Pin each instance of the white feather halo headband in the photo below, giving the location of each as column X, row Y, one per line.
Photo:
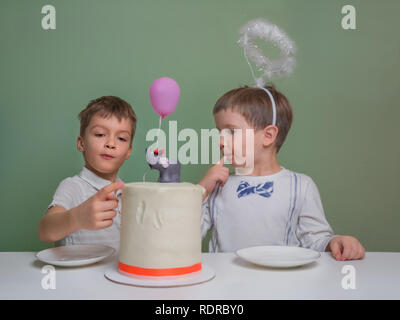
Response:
column 265, row 30
column 284, row 65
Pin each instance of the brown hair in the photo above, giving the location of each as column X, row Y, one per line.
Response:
column 106, row 107
column 255, row 106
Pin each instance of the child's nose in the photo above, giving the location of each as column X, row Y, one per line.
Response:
column 110, row 144
column 221, row 142
column 225, row 140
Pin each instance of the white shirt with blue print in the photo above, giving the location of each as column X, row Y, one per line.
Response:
column 282, row 209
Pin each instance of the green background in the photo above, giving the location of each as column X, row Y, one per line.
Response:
column 344, row 94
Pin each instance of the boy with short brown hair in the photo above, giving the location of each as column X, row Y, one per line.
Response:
column 266, row 204
column 86, row 207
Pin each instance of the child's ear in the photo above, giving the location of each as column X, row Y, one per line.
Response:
column 270, row 134
column 80, row 144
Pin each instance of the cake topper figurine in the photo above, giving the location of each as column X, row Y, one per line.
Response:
column 164, row 96
column 169, row 172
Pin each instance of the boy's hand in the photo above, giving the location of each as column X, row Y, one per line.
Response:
column 346, row 248
column 98, row 211
column 216, row 174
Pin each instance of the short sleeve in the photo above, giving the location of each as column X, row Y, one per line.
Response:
column 65, row 194
column 313, row 230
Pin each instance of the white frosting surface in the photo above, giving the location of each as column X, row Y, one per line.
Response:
column 161, row 225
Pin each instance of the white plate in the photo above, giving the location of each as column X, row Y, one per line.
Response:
column 278, row 256
column 75, row 255
column 204, row 275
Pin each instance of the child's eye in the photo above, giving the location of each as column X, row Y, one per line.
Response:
column 227, row 131
column 99, row 134
column 122, row 139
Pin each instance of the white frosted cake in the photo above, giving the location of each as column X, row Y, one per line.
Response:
column 160, row 229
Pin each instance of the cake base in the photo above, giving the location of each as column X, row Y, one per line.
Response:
column 205, row 274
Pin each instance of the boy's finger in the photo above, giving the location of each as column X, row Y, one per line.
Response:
column 225, row 170
column 105, row 224
column 110, row 188
column 335, row 248
column 107, row 215
column 111, row 196
column 221, row 161
column 109, row 205
column 362, row 252
column 357, row 253
column 221, row 182
column 347, row 252
column 222, row 179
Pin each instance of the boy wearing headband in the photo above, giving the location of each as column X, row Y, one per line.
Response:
column 263, row 203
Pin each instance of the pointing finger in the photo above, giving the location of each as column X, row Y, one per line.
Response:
column 110, row 188
column 221, row 161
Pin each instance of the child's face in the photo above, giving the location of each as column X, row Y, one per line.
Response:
column 106, row 144
column 237, row 146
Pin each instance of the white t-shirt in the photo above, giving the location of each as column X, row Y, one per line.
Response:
column 71, row 192
column 282, row 209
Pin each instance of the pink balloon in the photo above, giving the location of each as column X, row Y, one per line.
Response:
column 164, row 96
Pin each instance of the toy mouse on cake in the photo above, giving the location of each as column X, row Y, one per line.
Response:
column 169, row 172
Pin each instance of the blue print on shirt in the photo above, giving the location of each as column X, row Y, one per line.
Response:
column 262, row 189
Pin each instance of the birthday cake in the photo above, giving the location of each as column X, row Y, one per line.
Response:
column 161, row 221
column 160, row 229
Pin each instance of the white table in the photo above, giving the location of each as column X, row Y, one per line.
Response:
column 377, row 277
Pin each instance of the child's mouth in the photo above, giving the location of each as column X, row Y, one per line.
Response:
column 106, row 156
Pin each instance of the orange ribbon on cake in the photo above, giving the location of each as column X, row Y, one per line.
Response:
column 158, row 272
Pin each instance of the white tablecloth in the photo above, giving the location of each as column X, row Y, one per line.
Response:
column 377, row 277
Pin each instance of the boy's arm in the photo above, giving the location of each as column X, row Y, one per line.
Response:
column 57, row 224
column 95, row 213
column 313, row 230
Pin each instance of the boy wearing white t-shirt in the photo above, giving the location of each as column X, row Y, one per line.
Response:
column 263, row 203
